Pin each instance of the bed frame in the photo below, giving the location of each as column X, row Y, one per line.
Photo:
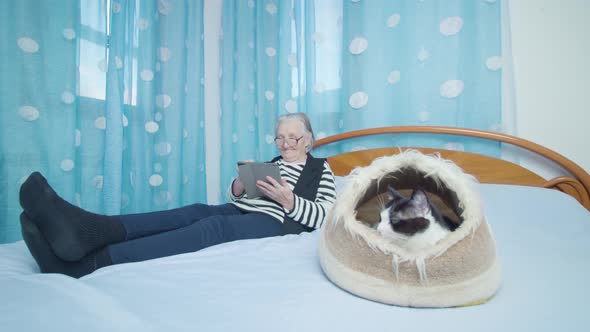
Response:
column 486, row 169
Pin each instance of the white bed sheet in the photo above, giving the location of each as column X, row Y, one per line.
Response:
column 276, row 284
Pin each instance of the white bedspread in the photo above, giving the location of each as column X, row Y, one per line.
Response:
column 276, row 284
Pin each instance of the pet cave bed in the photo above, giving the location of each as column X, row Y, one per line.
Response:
column 461, row 269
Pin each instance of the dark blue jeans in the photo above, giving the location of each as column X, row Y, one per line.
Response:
column 188, row 229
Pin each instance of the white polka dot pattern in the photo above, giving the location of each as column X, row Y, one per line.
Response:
column 269, row 95
column 142, row 24
column 67, row 97
column 358, row 45
column 451, row 25
column 162, row 198
column 156, row 180
column 102, row 65
column 67, row 165
column 451, row 88
column 455, row 146
column 28, row 45
column 116, row 7
column 97, row 182
column 164, row 54
column 118, row 62
column 423, row 116
column 271, row 8
column 68, row 34
column 147, row 75
column 164, row 7
column 28, row 113
column 77, row 137
column 291, row 106
column 393, row 20
column 423, row 55
column 163, row 101
column 100, row 123
column 151, row 127
column 358, row 99
column 494, row 63
column 394, row 77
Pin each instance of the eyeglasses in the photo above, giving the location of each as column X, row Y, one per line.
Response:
column 290, row 141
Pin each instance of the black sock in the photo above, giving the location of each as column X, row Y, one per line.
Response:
column 49, row 263
column 71, row 232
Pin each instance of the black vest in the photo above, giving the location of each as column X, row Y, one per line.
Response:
column 306, row 187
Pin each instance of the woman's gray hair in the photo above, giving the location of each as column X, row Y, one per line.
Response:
column 303, row 119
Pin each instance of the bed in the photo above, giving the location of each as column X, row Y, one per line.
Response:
column 541, row 227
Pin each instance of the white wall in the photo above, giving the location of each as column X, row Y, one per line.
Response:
column 212, row 29
column 551, row 62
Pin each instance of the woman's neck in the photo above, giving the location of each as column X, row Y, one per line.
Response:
column 300, row 160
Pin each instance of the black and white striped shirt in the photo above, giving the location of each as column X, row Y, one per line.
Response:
column 309, row 213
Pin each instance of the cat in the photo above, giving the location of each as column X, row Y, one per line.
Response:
column 413, row 223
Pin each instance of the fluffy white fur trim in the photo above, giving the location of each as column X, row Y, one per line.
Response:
column 440, row 170
column 469, row 291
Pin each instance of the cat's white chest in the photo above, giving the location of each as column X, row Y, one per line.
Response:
column 429, row 237
column 434, row 233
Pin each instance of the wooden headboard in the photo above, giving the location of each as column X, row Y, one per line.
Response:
column 486, row 169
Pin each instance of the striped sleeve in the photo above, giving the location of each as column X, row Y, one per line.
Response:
column 313, row 213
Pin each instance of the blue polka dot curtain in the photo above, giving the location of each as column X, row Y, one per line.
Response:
column 358, row 64
column 105, row 98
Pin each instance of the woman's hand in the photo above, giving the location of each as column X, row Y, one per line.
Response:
column 278, row 192
column 237, row 187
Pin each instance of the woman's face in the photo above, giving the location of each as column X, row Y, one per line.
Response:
column 291, row 141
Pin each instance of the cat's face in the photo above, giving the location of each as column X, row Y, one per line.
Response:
column 410, row 222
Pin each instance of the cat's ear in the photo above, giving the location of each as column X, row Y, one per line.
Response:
column 393, row 193
column 420, row 199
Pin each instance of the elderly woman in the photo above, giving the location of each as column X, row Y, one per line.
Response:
column 66, row 239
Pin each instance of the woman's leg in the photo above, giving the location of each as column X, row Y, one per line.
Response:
column 205, row 233
column 208, row 232
column 144, row 224
column 47, row 260
column 72, row 232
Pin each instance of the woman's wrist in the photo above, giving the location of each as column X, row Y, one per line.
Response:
column 236, row 188
column 290, row 203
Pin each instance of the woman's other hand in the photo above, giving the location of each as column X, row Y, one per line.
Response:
column 237, row 187
column 278, row 192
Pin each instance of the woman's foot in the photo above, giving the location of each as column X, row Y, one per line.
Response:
column 49, row 263
column 70, row 231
